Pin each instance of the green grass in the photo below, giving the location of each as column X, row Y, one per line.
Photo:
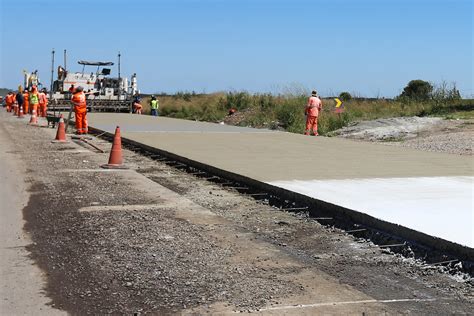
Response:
column 288, row 110
column 466, row 115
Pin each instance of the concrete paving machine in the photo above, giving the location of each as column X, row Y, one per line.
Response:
column 104, row 93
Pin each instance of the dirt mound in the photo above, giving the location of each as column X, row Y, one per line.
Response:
column 239, row 117
column 422, row 133
column 396, row 128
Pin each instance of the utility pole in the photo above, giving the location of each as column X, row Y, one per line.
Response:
column 65, row 67
column 52, row 78
column 119, row 80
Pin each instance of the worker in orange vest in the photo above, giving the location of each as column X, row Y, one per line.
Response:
column 80, row 109
column 312, row 110
column 34, row 100
column 9, row 101
column 26, row 101
column 43, row 103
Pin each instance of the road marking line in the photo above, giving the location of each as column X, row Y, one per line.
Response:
column 95, row 170
column 127, row 207
column 70, row 151
column 346, row 303
column 197, row 132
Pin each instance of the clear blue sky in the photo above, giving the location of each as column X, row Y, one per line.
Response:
column 371, row 47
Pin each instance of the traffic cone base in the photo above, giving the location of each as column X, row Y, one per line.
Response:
column 111, row 166
column 115, row 158
column 33, row 119
column 61, row 133
column 20, row 112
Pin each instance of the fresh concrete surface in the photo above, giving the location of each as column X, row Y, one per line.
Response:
column 438, row 206
column 146, row 123
column 277, row 157
column 22, row 282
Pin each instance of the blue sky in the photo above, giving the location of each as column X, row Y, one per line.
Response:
column 369, row 47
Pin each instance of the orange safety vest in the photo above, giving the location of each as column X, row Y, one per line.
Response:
column 43, row 100
column 9, row 99
column 313, row 107
column 26, row 97
column 79, row 101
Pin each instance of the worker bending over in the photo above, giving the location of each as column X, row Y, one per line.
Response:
column 312, row 110
column 80, row 110
column 137, row 106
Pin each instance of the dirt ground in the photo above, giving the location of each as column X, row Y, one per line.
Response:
column 156, row 240
column 422, row 133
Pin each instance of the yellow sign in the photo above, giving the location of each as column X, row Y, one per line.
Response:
column 338, row 102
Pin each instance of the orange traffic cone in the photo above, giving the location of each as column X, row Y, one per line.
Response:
column 20, row 112
column 61, row 133
column 115, row 158
column 33, row 119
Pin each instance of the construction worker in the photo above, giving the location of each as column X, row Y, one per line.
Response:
column 26, row 101
column 72, row 89
column 9, row 101
column 14, row 104
column 80, row 110
column 19, row 100
column 154, row 105
column 43, row 103
column 34, row 100
column 313, row 107
column 137, row 106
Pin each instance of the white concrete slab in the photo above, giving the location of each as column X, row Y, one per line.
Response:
column 437, row 206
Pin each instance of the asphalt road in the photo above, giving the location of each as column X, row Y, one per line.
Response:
column 22, row 282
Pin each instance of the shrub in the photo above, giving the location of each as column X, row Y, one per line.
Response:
column 417, row 90
column 290, row 114
column 345, row 96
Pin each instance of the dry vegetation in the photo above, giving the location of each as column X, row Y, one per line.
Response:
column 286, row 112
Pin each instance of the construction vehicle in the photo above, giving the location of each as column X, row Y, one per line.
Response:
column 103, row 93
column 31, row 79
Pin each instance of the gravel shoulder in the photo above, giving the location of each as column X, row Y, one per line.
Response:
column 422, row 133
column 153, row 239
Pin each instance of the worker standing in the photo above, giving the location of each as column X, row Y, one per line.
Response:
column 34, row 99
column 154, row 105
column 80, row 110
column 26, row 101
column 43, row 103
column 312, row 110
column 9, row 101
column 19, row 100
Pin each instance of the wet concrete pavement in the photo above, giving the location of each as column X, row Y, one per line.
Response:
column 324, row 168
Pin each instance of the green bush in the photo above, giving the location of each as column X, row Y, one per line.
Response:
column 345, row 96
column 238, row 100
column 417, row 90
column 290, row 114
